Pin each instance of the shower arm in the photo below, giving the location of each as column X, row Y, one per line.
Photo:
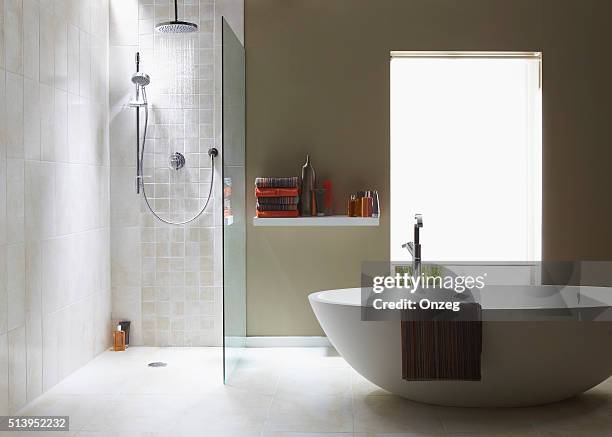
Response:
column 175, row 10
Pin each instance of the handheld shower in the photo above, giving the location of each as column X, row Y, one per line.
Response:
column 176, row 160
column 141, row 80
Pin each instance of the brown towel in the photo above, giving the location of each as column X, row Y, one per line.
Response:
column 290, row 182
column 442, row 349
column 276, row 192
column 272, row 207
column 291, row 200
column 277, row 214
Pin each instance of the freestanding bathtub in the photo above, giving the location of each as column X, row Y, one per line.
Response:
column 524, row 362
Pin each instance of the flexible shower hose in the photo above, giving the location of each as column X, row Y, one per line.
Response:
column 211, row 153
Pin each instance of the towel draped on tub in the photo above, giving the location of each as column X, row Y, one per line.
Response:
column 440, row 345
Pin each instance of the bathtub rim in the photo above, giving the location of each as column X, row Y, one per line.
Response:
column 355, row 300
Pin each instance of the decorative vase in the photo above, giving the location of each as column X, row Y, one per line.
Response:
column 308, row 183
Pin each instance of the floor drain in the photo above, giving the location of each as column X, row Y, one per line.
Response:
column 157, row 364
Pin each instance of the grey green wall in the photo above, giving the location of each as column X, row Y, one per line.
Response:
column 318, row 82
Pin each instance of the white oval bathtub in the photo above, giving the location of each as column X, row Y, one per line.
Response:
column 523, row 363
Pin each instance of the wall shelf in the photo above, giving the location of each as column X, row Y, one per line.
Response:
column 333, row 220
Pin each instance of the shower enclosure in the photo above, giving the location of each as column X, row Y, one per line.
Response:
column 234, row 216
column 167, row 249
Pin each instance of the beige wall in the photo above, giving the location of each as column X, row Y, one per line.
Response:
column 318, row 82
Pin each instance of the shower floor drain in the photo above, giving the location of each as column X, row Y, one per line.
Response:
column 157, row 364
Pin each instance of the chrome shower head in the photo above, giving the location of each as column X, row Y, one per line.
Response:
column 141, row 79
column 176, row 26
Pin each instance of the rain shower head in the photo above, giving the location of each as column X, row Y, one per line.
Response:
column 176, row 26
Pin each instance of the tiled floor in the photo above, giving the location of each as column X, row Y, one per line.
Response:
column 284, row 392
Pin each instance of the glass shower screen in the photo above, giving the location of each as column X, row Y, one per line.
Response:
column 234, row 225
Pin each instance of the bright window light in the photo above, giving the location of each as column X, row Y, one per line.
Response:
column 466, row 153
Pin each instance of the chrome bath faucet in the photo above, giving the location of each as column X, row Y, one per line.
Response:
column 414, row 247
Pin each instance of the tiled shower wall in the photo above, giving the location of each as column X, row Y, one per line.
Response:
column 167, row 280
column 55, row 300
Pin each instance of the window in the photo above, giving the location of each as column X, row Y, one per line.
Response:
column 466, row 153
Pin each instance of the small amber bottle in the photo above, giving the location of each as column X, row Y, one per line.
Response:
column 358, row 203
column 367, row 204
column 352, row 206
column 119, row 341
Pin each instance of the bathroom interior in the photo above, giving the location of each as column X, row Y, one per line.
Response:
column 193, row 192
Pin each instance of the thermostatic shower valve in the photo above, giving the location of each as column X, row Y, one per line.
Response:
column 176, row 161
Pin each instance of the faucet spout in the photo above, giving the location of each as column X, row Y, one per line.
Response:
column 409, row 247
column 416, row 259
column 414, row 247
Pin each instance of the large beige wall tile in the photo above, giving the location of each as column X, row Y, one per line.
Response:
column 31, row 119
column 47, row 39
column 3, row 292
column 31, row 39
column 2, row 52
column 13, row 35
column 4, row 375
column 39, row 200
column 15, row 200
column 60, row 51
column 123, row 22
column 47, row 122
column 15, row 285
column 14, row 115
column 60, row 126
column 17, row 369
column 73, row 59
column 2, row 114
column 34, row 343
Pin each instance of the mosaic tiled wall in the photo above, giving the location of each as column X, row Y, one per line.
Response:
column 166, row 279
